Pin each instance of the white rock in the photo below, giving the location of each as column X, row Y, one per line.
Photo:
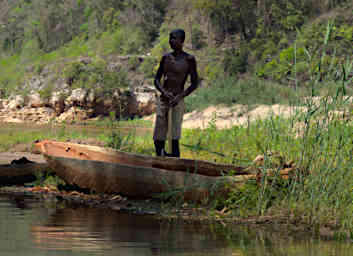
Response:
column 77, row 97
column 35, row 101
column 16, row 102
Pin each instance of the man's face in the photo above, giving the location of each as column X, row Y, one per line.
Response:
column 175, row 41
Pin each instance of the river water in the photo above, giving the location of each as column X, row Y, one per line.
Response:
column 29, row 226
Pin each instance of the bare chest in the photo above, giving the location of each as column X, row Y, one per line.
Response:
column 176, row 66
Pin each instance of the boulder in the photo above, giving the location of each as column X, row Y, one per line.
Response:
column 77, row 98
column 57, row 102
column 146, row 103
column 35, row 115
column 117, row 102
column 75, row 114
column 35, row 101
column 16, row 102
column 91, row 99
column 2, row 104
column 35, row 83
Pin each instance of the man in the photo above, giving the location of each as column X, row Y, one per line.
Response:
column 175, row 67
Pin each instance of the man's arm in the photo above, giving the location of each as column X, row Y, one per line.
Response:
column 193, row 77
column 157, row 80
column 194, row 81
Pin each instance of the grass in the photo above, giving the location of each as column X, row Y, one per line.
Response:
column 253, row 91
column 319, row 140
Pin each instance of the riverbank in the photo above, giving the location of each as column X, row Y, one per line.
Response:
column 314, row 139
column 165, row 212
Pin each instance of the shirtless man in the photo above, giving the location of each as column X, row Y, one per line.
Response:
column 175, row 67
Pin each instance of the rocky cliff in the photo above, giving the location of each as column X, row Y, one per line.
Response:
column 66, row 104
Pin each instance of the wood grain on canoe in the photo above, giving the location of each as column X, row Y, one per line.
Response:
column 139, row 181
column 87, row 152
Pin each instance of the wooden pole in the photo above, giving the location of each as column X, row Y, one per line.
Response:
column 170, row 130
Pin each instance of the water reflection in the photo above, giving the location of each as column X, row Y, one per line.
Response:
column 105, row 230
column 32, row 227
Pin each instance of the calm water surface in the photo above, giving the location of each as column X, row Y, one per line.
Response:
column 32, row 227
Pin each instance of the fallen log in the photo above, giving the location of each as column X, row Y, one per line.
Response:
column 11, row 174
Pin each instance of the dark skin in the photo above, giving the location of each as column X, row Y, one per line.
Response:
column 175, row 67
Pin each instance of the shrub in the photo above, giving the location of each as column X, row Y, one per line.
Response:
column 95, row 76
column 149, row 66
column 235, row 61
column 197, row 38
column 230, row 91
column 133, row 63
column 46, row 92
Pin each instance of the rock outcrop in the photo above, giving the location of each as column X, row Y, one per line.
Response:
column 51, row 99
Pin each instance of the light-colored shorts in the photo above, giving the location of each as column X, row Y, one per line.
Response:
column 161, row 124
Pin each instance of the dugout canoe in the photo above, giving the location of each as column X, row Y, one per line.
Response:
column 95, row 153
column 110, row 171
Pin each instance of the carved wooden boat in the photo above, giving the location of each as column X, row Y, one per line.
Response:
column 107, row 170
column 88, row 152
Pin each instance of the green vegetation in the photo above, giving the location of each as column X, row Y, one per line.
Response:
column 248, row 52
column 95, row 75
column 283, row 41
column 246, row 92
column 317, row 139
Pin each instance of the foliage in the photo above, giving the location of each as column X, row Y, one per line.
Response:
column 304, row 61
column 252, row 35
column 46, row 92
column 149, row 67
column 120, row 141
column 48, row 179
column 232, row 91
column 95, row 75
column 133, row 63
column 236, row 61
column 315, row 139
column 197, row 38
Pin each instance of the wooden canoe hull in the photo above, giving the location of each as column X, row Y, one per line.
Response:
column 137, row 181
column 87, row 152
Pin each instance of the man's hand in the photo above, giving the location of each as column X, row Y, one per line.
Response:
column 168, row 95
column 176, row 100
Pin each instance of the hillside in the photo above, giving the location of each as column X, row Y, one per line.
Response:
column 287, row 48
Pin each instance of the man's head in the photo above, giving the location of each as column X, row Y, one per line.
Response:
column 178, row 33
column 176, row 39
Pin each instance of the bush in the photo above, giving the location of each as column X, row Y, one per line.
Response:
column 197, row 38
column 46, row 92
column 95, row 76
column 235, row 61
column 230, row 91
column 149, row 66
column 133, row 63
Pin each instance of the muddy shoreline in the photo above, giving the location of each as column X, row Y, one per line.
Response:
column 164, row 211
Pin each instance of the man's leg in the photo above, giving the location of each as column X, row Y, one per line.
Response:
column 177, row 115
column 160, row 128
column 159, row 146
column 175, row 148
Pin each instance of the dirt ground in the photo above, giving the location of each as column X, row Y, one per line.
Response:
column 225, row 117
